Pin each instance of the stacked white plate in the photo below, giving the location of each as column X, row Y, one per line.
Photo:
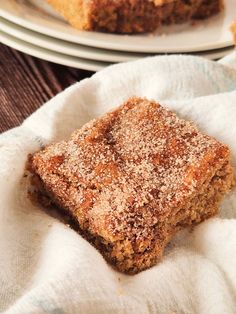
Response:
column 31, row 26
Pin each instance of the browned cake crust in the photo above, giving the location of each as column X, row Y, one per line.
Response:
column 134, row 177
column 233, row 28
column 133, row 16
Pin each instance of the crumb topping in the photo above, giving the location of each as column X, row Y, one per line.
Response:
column 131, row 168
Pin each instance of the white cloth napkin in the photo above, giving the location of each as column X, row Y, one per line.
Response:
column 45, row 267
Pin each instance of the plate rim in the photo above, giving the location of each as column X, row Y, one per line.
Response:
column 211, row 54
column 46, row 54
column 62, row 59
column 90, row 53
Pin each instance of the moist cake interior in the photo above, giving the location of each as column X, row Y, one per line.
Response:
column 121, row 254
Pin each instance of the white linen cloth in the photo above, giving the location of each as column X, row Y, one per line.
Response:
column 45, row 267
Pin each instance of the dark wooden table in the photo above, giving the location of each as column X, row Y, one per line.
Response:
column 26, row 83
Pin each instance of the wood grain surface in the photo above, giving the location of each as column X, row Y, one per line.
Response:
column 26, row 83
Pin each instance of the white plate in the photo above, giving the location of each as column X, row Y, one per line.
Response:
column 49, row 55
column 65, row 47
column 80, row 51
column 215, row 54
column 213, row 33
column 76, row 62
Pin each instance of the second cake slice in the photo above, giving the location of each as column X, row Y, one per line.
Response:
column 133, row 16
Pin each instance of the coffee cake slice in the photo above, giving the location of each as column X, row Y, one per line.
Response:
column 134, row 177
column 133, row 16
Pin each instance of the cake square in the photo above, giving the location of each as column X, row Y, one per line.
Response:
column 134, row 177
column 133, row 16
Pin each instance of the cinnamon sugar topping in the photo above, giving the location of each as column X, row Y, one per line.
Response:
column 129, row 171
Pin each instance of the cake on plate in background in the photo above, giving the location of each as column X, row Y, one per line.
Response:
column 133, row 16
